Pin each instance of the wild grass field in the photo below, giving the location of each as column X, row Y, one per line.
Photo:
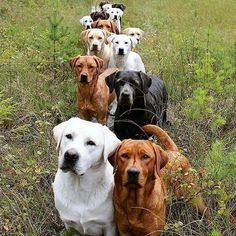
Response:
column 191, row 45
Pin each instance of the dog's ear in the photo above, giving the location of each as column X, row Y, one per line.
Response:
column 106, row 16
column 133, row 41
column 73, row 61
column 111, row 142
column 99, row 62
column 95, row 24
column 106, row 35
column 125, row 31
column 58, row 131
column 111, row 38
column 81, row 20
column 84, row 35
column 114, row 27
column 93, row 15
column 161, row 159
column 141, row 32
column 120, row 6
column 146, row 81
column 110, row 80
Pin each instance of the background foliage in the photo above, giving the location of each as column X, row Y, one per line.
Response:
column 191, row 45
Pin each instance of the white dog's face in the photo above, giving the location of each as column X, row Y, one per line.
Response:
column 122, row 44
column 86, row 21
column 106, row 7
column 115, row 13
column 95, row 38
column 83, row 145
column 134, row 32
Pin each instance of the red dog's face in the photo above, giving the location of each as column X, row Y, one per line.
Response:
column 86, row 68
column 138, row 162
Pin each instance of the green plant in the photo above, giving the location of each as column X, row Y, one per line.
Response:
column 7, row 108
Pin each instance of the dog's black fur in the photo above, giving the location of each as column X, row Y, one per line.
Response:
column 99, row 15
column 141, row 99
column 114, row 5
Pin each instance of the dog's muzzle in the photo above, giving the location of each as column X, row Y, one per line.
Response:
column 121, row 51
column 115, row 17
column 133, row 174
column 88, row 27
column 71, row 156
column 94, row 47
column 84, row 78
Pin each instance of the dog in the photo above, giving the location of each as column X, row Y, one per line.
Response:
column 96, row 42
column 108, row 25
column 143, row 174
column 86, row 21
column 134, row 32
column 115, row 15
column 83, row 185
column 106, row 5
column 99, row 15
column 93, row 96
column 141, row 99
column 122, row 56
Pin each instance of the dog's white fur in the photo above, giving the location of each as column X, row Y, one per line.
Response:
column 134, row 32
column 106, row 7
column 83, row 196
column 129, row 60
column 86, row 21
column 115, row 15
column 97, row 38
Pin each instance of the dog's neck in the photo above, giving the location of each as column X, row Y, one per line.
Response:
column 120, row 60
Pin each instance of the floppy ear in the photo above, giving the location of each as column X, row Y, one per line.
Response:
column 120, row 6
column 95, row 24
column 58, row 131
column 141, row 32
column 106, row 15
column 114, row 27
column 84, row 35
column 107, row 34
column 110, row 80
column 121, row 12
column 93, row 14
column 133, row 41
column 81, row 20
column 99, row 62
column 161, row 158
column 73, row 61
column 125, row 31
column 111, row 142
column 111, row 38
column 146, row 81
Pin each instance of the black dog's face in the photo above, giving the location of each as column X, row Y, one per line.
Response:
column 128, row 85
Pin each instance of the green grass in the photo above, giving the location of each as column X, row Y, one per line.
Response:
column 191, row 45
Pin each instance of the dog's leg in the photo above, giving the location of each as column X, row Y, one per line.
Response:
column 110, row 230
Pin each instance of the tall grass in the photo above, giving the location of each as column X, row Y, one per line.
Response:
column 191, row 45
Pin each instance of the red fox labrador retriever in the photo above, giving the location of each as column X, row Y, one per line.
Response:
column 93, row 96
column 143, row 174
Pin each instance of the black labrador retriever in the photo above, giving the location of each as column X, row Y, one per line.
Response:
column 141, row 100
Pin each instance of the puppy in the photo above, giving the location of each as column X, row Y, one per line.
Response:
column 115, row 15
column 83, row 184
column 86, row 21
column 141, row 99
column 134, row 32
column 93, row 96
column 96, row 42
column 122, row 56
column 143, row 174
column 99, row 15
column 108, row 25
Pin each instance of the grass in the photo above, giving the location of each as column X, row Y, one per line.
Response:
column 191, row 45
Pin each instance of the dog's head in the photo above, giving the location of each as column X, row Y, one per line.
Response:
column 134, row 32
column 106, row 7
column 86, row 21
column 108, row 25
column 137, row 162
column 86, row 68
column 128, row 85
column 122, row 44
column 83, row 145
column 95, row 39
column 99, row 15
column 115, row 13
column 119, row 5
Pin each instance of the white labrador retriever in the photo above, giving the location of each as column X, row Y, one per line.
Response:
column 83, row 184
column 96, row 42
column 122, row 57
column 134, row 32
column 86, row 21
column 115, row 15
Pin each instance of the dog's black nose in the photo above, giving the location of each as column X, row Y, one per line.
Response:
column 125, row 94
column 84, row 78
column 95, row 47
column 115, row 17
column 133, row 174
column 121, row 51
column 71, row 156
column 88, row 27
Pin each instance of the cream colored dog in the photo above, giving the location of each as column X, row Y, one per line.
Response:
column 83, row 184
column 134, row 32
column 96, row 42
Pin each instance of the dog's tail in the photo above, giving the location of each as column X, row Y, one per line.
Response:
column 162, row 136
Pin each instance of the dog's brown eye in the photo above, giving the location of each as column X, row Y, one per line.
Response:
column 132, row 34
column 126, row 42
column 91, row 37
column 69, row 136
column 145, row 157
column 91, row 143
column 116, row 42
column 125, row 156
column 78, row 65
column 99, row 38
